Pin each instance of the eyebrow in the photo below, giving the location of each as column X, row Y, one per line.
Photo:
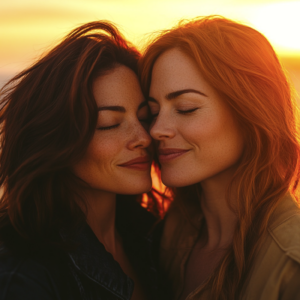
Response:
column 119, row 108
column 176, row 94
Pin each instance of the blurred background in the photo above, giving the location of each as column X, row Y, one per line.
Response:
column 28, row 28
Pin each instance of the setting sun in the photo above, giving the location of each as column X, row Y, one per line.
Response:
column 280, row 23
column 29, row 28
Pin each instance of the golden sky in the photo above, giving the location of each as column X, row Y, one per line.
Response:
column 30, row 27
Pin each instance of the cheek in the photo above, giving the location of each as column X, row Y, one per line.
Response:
column 99, row 156
column 217, row 135
column 200, row 129
column 100, row 151
column 225, row 142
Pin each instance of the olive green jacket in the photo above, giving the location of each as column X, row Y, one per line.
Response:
column 275, row 273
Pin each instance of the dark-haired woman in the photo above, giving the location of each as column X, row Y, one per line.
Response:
column 74, row 148
column 225, row 125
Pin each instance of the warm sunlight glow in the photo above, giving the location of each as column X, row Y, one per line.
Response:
column 280, row 22
column 164, row 202
column 29, row 28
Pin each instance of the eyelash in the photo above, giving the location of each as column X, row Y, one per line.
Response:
column 147, row 121
column 108, row 127
column 182, row 112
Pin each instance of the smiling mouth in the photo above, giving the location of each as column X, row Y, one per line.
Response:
column 140, row 163
column 168, row 154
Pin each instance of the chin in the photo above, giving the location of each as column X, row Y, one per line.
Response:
column 136, row 188
column 170, row 181
column 173, row 180
column 146, row 187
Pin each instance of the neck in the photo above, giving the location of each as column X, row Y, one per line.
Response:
column 219, row 216
column 100, row 216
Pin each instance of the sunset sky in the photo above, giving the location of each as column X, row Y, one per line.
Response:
column 30, row 27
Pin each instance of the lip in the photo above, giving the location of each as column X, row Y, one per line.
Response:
column 139, row 163
column 168, row 154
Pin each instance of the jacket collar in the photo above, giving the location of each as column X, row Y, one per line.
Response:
column 91, row 258
column 287, row 207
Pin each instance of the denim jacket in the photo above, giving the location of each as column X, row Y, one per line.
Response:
column 88, row 272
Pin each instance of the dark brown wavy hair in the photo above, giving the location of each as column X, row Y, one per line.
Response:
column 48, row 117
column 241, row 65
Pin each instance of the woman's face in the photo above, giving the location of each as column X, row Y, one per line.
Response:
column 197, row 136
column 117, row 159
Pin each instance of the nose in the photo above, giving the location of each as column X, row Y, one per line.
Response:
column 140, row 137
column 162, row 128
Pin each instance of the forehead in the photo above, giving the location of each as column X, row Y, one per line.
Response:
column 120, row 86
column 174, row 70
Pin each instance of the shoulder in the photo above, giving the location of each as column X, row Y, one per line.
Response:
column 275, row 269
column 285, row 228
column 33, row 278
column 287, row 237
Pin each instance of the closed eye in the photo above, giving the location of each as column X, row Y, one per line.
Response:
column 188, row 111
column 108, row 127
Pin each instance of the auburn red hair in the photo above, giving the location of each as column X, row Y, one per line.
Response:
column 48, row 117
column 239, row 63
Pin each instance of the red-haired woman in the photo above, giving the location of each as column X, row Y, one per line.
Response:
column 74, row 148
column 225, row 127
